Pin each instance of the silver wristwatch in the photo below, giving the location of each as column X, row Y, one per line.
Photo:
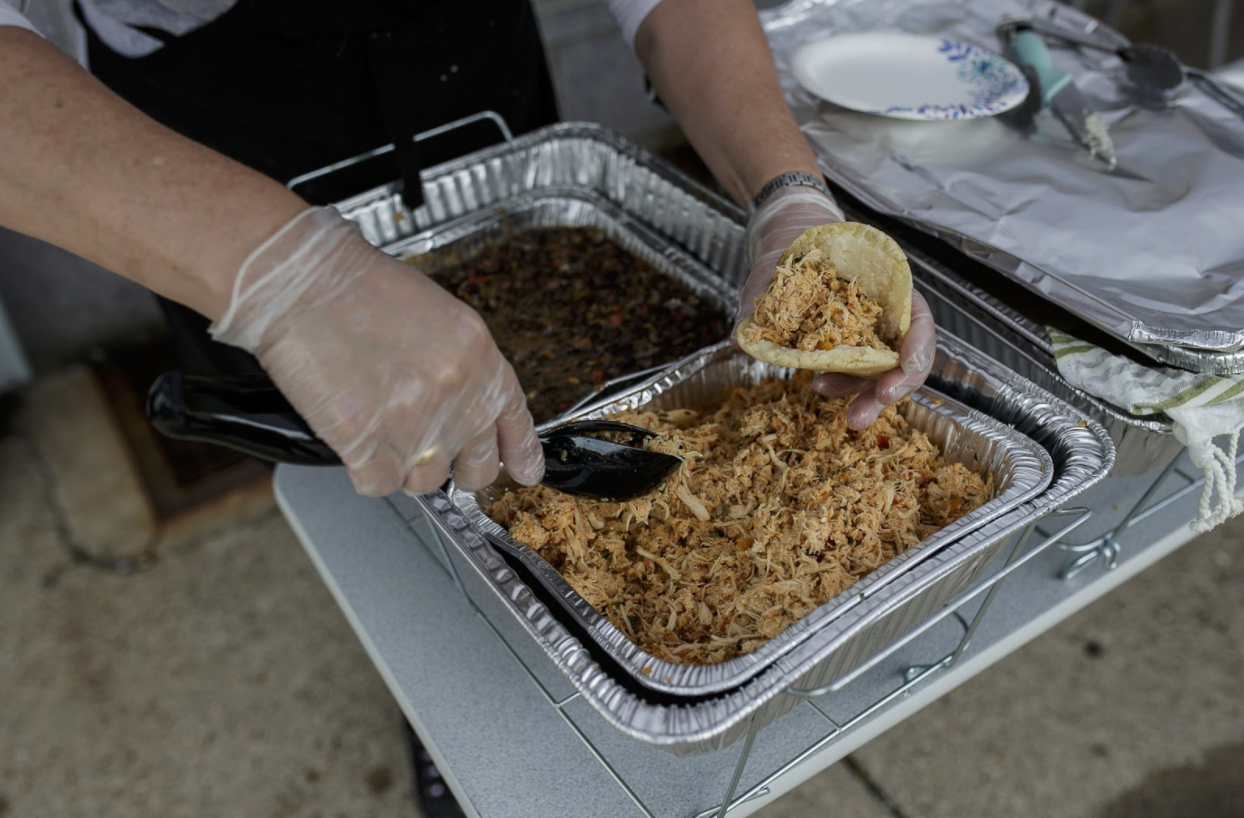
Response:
column 795, row 177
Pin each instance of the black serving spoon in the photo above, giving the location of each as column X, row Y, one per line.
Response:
column 248, row 413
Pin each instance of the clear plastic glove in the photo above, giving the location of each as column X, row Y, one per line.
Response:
column 397, row 375
column 915, row 363
column 784, row 217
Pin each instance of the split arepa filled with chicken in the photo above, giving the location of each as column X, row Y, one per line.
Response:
column 840, row 301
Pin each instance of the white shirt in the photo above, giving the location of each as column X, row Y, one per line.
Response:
column 115, row 21
column 11, row 14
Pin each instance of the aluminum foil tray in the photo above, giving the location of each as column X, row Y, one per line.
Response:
column 591, row 158
column 1081, row 453
column 572, row 207
column 1020, row 468
column 585, row 156
column 711, row 229
column 1143, row 252
column 1141, row 442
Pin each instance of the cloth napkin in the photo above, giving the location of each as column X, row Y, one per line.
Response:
column 1202, row 407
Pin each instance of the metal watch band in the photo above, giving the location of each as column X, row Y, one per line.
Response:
column 795, row 177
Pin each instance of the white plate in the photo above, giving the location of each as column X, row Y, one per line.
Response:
column 909, row 76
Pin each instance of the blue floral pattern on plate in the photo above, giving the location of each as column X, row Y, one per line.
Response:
column 991, row 83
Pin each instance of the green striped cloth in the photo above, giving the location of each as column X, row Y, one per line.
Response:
column 1202, row 407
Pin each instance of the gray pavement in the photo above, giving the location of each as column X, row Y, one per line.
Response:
column 223, row 679
column 1144, row 682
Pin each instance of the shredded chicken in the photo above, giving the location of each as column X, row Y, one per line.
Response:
column 808, row 307
column 777, row 508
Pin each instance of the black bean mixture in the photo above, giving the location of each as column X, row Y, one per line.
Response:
column 571, row 310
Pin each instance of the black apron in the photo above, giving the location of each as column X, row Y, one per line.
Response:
column 291, row 86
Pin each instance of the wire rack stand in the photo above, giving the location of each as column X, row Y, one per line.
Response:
column 912, row 676
column 1106, row 548
column 1051, row 533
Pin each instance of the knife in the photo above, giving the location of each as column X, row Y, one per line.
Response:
column 1059, row 93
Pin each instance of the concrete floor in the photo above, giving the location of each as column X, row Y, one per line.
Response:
column 223, row 680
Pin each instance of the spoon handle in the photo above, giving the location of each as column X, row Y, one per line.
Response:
column 247, row 413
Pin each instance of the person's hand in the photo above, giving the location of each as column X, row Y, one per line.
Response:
column 915, row 363
column 784, row 217
column 772, row 228
column 394, row 373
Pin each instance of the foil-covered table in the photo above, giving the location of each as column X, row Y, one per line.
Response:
column 1150, row 252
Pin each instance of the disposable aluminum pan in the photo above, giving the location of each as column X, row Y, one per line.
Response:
column 1081, row 453
column 596, row 159
column 1020, row 468
column 590, row 157
column 1141, row 442
column 571, row 207
column 585, row 156
column 575, row 208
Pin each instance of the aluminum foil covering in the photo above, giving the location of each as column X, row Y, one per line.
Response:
column 1150, row 253
column 1081, row 453
column 1020, row 468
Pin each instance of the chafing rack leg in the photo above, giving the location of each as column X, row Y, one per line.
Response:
column 1105, row 549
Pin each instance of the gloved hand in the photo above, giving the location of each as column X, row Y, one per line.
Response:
column 784, row 217
column 397, row 375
